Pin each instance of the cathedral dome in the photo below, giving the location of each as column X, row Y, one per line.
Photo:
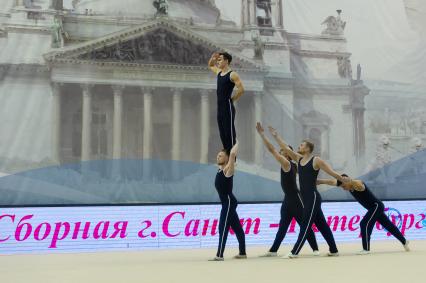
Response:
column 201, row 11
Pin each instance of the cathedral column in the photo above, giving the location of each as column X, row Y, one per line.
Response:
column 147, row 132
column 147, row 122
column 277, row 12
column 205, row 126
column 86, row 122
column 176, row 131
column 56, row 121
column 117, row 122
column 358, row 108
column 258, row 147
column 245, row 15
column 252, row 12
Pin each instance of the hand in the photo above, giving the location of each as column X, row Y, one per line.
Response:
column 273, row 131
column 259, row 128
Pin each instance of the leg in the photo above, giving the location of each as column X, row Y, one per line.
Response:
column 325, row 231
column 309, row 214
column 221, row 123
column 311, row 235
column 285, row 221
column 390, row 227
column 238, row 229
column 227, row 127
column 223, row 225
column 367, row 225
column 233, row 132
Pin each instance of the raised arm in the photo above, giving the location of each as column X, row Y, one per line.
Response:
column 285, row 164
column 330, row 182
column 235, row 78
column 321, row 164
column 230, row 166
column 212, row 63
column 294, row 155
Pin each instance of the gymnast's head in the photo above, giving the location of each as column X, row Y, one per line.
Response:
column 224, row 60
column 222, row 157
column 284, row 153
column 306, row 147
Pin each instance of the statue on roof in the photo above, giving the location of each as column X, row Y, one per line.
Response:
column 58, row 33
column 334, row 25
column 358, row 72
column 74, row 3
column 162, row 7
column 259, row 45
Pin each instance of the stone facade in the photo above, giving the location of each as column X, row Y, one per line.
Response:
column 139, row 87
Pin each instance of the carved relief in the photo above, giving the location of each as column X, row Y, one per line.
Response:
column 159, row 45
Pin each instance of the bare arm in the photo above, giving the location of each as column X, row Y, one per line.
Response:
column 285, row 164
column 321, row 164
column 230, row 167
column 295, row 156
column 358, row 185
column 330, row 182
column 212, row 63
column 235, row 78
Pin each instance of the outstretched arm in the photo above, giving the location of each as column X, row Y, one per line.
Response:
column 295, row 156
column 212, row 63
column 235, row 78
column 285, row 164
column 230, row 166
column 330, row 182
column 321, row 164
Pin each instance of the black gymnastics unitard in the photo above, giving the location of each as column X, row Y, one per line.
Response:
column 226, row 110
column 228, row 213
column 375, row 212
column 292, row 206
column 312, row 212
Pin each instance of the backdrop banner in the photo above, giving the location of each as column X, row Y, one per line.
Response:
column 113, row 103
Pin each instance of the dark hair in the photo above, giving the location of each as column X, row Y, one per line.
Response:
column 339, row 182
column 310, row 145
column 226, row 56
